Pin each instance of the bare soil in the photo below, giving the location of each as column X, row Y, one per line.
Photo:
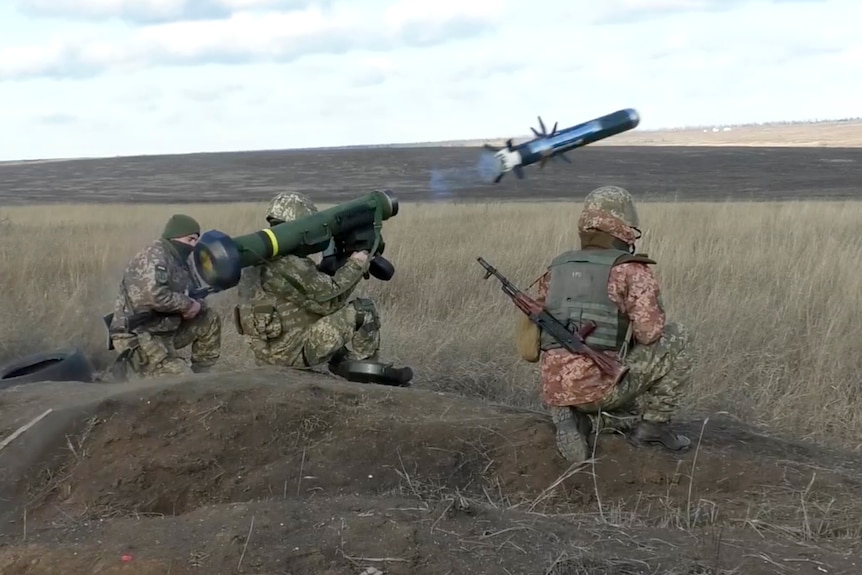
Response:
column 441, row 173
column 277, row 471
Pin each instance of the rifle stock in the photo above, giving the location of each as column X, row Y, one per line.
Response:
column 572, row 341
column 136, row 320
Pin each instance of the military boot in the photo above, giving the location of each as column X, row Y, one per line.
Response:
column 336, row 362
column 619, row 423
column 403, row 375
column 202, row 367
column 573, row 433
column 650, row 432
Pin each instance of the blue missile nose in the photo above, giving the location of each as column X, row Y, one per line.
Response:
column 633, row 115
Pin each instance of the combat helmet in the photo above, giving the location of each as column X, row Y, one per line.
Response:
column 615, row 201
column 289, row 206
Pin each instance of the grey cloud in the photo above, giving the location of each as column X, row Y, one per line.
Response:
column 756, row 45
column 473, row 69
column 58, row 118
column 486, row 70
column 78, row 61
column 202, row 95
column 72, row 63
column 803, row 49
column 615, row 13
column 144, row 12
column 419, row 34
column 369, row 78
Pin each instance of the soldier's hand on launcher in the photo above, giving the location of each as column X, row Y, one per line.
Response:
column 192, row 310
column 359, row 257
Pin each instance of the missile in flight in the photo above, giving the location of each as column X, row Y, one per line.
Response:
column 547, row 146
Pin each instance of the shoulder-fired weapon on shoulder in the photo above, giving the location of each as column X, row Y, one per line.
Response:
column 337, row 232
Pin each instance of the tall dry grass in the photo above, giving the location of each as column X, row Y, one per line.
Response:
column 772, row 293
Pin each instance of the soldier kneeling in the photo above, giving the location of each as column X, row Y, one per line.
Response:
column 607, row 283
column 297, row 316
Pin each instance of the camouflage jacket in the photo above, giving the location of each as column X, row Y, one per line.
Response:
column 574, row 379
column 300, row 294
column 157, row 279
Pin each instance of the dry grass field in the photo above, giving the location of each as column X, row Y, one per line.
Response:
column 770, row 290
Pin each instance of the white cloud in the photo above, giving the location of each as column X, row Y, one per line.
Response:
column 247, row 37
column 151, row 11
column 633, row 11
column 376, row 71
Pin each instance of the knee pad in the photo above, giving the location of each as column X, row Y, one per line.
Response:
column 366, row 314
column 260, row 321
column 149, row 352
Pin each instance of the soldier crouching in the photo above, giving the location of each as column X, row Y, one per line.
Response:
column 296, row 316
column 154, row 316
column 606, row 282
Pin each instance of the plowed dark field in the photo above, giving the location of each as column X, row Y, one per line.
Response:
column 652, row 173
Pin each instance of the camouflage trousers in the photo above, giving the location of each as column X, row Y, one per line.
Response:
column 156, row 353
column 354, row 331
column 659, row 376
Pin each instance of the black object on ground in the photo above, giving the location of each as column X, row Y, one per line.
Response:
column 68, row 364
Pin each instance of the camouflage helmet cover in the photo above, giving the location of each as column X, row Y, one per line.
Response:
column 290, row 206
column 615, row 200
column 611, row 209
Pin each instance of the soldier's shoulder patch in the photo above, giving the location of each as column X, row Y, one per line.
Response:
column 161, row 274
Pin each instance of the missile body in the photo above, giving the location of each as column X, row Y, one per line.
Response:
column 546, row 146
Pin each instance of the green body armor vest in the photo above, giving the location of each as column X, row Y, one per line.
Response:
column 578, row 293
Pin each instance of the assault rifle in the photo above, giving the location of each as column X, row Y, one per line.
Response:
column 571, row 340
column 140, row 318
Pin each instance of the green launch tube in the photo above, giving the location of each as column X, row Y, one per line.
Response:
column 220, row 258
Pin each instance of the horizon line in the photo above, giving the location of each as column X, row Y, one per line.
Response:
column 464, row 142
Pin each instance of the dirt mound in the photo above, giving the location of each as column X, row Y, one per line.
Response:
column 178, row 449
column 406, row 476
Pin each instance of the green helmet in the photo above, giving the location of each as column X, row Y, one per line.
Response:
column 289, row 206
column 615, row 201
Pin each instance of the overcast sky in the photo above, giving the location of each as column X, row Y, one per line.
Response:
column 118, row 77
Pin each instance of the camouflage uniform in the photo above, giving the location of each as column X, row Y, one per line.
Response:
column 297, row 316
column 655, row 351
column 157, row 279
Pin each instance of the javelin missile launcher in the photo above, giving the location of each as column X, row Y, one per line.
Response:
column 339, row 231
